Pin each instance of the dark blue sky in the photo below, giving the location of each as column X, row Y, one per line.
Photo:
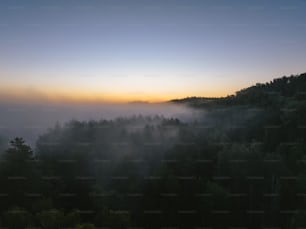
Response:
column 117, row 50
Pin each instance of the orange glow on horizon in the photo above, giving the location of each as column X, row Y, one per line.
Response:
column 32, row 95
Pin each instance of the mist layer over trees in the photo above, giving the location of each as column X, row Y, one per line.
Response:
column 242, row 164
column 31, row 120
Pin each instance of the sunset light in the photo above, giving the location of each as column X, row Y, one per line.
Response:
column 152, row 114
column 136, row 50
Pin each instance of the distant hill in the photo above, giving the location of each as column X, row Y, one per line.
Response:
column 262, row 94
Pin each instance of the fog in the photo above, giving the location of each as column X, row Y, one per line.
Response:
column 31, row 120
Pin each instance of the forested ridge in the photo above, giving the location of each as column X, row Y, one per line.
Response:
column 241, row 165
column 262, row 94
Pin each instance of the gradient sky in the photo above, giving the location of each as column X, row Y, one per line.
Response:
column 100, row 50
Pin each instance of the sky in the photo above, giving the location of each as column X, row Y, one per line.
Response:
column 130, row 50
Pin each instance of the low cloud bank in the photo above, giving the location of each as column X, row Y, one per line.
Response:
column 31, row 120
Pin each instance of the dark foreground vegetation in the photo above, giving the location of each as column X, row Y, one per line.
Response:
column 243, row 165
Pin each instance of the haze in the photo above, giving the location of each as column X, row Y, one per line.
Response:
column 31, row 120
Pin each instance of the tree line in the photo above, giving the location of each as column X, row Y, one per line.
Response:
column 241, row 165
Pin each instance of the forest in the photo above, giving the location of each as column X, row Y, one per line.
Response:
column 242, row 165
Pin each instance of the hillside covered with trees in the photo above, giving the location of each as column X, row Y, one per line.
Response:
column 241, row 165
